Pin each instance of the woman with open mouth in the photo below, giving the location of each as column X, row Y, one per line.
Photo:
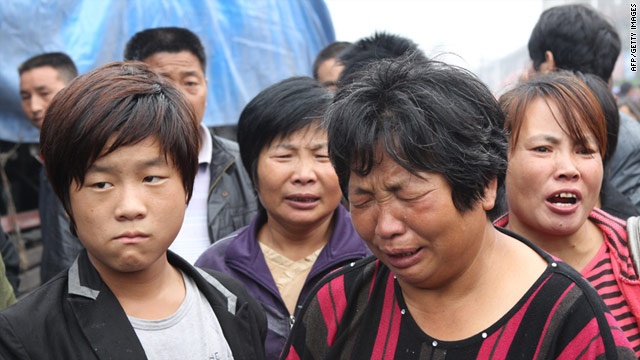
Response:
column 557, row 142
column 301, row 232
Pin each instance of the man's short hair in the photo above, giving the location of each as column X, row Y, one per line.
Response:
column 277, row 112
column 380, row 45
column 625, row 88
column 126, row 101
column 164, row 39
column 330, row 51
column 427, row 116
column 579, row 38
column 60, row 61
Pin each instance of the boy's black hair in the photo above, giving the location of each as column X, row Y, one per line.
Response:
column 120, row 103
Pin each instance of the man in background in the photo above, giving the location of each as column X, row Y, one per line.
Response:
column 576, row 38
column 223, row 197
column 326, row 68
column 628, row 100
column 380, row 45
column 41, row 78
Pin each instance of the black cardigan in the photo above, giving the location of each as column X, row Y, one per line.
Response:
column 76, row 316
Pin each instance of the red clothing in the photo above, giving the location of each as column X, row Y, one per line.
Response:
column 359, row 312
column 612, row 274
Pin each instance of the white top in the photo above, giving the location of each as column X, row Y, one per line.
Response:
column 192, row 332
column 193, row 238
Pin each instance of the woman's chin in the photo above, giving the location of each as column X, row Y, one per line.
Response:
column 564, row 228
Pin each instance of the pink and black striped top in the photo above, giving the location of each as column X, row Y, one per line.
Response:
column 601, row 274
column 359, row 312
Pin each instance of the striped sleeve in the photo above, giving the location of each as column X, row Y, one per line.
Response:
column 316, row 329
column 559, row 321
column 589, row 343
column 587, row 330
column 612, row 274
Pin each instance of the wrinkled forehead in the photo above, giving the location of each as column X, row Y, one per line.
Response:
column 165, row 62
column 385, row 148
column 386, row 174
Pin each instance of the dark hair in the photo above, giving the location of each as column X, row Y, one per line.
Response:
column 633, row 105
column 330, row 51
column 579, row 38
column 428, row 117
column 625, row 88
column 164, row 39
column 123, row 102
column 574, row 100
column 277, row 112
column 60, row 61
column 380, row 45
column 607, row 102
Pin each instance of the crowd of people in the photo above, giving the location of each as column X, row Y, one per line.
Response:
column 390, row 206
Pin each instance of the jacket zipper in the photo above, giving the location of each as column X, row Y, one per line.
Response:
column 213, row 185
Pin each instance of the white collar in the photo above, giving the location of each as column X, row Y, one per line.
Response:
column 206, row 145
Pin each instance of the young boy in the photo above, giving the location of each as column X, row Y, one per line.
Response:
column 120, row 146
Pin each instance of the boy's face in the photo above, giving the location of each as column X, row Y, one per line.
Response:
column 129, row 208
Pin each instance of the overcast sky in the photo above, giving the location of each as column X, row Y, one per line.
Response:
column 477, row 31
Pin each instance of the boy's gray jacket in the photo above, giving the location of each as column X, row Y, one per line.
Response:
column 231, row 203
column 76, row 316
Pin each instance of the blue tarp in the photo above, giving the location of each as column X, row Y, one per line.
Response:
column 250, row 44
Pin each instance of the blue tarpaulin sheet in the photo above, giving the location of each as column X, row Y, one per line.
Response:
column 250, row 44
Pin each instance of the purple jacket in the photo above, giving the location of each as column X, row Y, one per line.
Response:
column 240, row 256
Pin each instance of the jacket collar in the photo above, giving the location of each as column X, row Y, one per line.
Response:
column 244, row 251
column 206, row 147
column 221, row 158
column 99, row 314
column 344, row 244
column 86, row 283
column 105, row 324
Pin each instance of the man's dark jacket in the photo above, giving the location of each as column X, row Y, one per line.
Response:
column 59, row 246
column 231, row 202
column 76, row 316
